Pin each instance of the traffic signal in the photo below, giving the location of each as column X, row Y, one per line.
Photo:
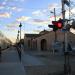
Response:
column 58, row 24
column 54, row 27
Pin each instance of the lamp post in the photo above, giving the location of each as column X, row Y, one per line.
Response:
column 18, row 36
column 20, row 41
column 17, row 40
column 20, row 31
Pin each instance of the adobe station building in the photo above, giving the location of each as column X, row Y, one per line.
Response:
column 45, row 39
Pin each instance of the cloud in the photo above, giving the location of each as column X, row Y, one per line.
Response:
column 38, row 22
column 9, row 36
column 12, row 26
column 14, row 32
column 36, row 31
column 23, row 19
column 2, row 7
column 23, row 0
column 4, row 3
column 37, row 13
column 16, row 9
column 54, row 5
column 14, row 0
column 5, row 15
column 11, row 0
column 72, row 13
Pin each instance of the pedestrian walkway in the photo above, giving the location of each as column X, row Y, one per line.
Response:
column 11, row 69
column 35, row 66
column 10, row 64
column 10, row 56
column 29, row 60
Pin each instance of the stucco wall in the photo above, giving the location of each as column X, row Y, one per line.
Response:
column 50, row 37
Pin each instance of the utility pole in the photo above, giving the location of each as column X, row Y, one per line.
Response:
column 20, row 30
column 55, row 20
column 54, row 13
column 20, row 42
column 69, row 11
column 20, row 34
column 18, row 37
column 67, row 68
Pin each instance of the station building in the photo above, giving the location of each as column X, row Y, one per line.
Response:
column 44, row 41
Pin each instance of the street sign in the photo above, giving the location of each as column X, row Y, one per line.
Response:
column 64, row 30
column 58, row 46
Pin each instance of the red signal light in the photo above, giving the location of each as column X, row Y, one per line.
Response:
column 57, row 24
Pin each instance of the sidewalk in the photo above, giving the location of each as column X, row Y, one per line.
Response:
column 12, row 69
column 29, row 60
column 36, row 66
column 10, row 56
column 10, row 64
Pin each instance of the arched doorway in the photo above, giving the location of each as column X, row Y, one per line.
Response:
column 43, row 45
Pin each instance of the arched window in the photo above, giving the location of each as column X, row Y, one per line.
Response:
column 29, row 45
column 43, row 45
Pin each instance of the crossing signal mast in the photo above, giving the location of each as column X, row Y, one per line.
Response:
column 67, row 67
column 60, row 24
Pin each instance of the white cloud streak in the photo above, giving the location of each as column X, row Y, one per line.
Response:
column 16, row 9
column 23, row 19
column 38, row 13
column 5, row 15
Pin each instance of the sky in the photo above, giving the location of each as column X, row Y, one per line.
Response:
column 34, row 15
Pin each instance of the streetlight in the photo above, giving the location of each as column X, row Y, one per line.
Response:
column 20, row 41
column 20, row 30
column 17, row 40
column 18, row 35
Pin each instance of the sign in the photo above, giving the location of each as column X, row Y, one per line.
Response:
column 64, row 30
column 57, row 46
